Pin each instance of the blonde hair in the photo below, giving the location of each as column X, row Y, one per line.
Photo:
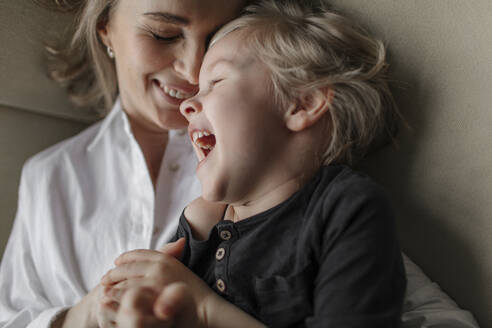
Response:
column 308, row 47
column 83, row 67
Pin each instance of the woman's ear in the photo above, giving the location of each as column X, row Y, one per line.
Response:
column 103, row 32
column 309, row 109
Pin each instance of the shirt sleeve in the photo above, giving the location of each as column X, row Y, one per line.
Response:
column 22, row 300
column 361, row 280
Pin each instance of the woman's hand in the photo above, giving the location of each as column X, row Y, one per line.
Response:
column 154, row 289
column 151, row 271
column 90, row 312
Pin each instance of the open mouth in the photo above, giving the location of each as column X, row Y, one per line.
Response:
column 204, row 142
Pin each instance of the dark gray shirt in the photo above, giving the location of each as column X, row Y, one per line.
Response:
column 326, row 257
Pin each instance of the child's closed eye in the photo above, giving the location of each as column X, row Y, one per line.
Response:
column 216, row 81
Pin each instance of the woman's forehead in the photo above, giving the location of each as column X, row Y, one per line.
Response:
column 184, row 12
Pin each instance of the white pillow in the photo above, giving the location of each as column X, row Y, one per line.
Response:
column 426, row 305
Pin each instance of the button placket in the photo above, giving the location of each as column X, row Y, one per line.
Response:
column 227, row 235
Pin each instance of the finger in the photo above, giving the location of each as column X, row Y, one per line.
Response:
column 136, row 310
column 174, row 249
column 126, row 271
column 174, row 300
column 138, row 255
column 139, row 300
column 115, row 292
column 107, row 313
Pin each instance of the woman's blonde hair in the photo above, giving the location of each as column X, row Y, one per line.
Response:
column 83, row 67
column 308, row 47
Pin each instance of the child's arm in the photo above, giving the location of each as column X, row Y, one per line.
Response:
column 175, row 304
column 202, row 215
column 361, row 279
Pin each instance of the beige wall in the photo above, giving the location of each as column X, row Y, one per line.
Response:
column 440, row 178
column 24, row 82
column 34, row 112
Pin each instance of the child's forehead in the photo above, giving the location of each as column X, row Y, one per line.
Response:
column 230, row 51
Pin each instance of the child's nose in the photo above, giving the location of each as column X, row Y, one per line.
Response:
column 189, row 107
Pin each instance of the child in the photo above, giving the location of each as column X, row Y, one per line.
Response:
column 290, row 93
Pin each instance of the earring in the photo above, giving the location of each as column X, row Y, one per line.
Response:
column 110, row 52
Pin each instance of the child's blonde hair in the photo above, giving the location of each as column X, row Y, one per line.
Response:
column 308, row 47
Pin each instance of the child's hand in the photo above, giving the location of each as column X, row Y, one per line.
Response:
column 149, row 273
column 202, row 215
column 145, row 308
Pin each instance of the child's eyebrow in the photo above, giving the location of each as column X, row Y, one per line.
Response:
column 220, row 61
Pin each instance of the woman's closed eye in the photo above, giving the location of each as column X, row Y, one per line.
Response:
column 163, row 35
column 167, row 39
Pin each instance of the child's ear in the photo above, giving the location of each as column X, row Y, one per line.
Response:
column 309, row 109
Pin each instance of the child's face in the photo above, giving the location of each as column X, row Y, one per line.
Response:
column 247, row 130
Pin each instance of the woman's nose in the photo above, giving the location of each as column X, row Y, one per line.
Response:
column 190, row 107
column 188, row 64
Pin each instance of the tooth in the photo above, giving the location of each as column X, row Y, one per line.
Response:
column 172, row 93
column 195, row 137
column 200, row 134
column 166, row 89
column 179, row 95
column 205, row 133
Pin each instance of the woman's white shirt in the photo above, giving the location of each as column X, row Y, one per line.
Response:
column 81, row 204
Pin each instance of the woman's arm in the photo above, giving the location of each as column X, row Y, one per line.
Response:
column 23, row 298
column 26, row 299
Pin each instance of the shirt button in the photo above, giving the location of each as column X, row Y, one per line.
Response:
column 174, row 167
column 219, row 255
column 225, row 235
column 220, row 285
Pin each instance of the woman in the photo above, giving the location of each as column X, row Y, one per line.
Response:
column 85, row 201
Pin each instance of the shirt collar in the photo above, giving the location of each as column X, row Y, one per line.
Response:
column 115, row 112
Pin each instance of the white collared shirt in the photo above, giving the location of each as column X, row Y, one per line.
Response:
column 82, row 203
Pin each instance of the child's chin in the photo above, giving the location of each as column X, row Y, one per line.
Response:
column 212, row 195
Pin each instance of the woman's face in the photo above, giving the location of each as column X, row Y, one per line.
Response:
column 159, row 46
